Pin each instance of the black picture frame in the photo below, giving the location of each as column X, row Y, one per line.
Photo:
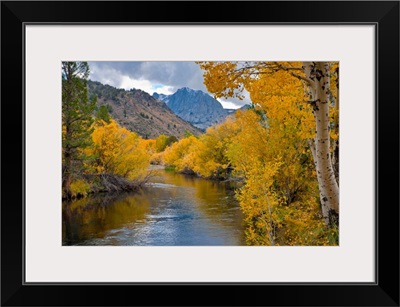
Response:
column 383, row 14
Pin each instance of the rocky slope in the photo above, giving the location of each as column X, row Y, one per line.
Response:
column 139, row 112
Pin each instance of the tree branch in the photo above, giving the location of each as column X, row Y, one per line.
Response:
column 288, row 69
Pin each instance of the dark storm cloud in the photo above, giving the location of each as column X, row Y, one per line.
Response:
column 173, row 74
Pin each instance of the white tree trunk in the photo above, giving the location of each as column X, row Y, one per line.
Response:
column 319, row 75
column 335, row 158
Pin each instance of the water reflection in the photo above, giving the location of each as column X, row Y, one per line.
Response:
column 172, row 210
column 92, row 217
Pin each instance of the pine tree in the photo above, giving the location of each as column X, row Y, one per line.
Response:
column 102, row 114
column 77, row 112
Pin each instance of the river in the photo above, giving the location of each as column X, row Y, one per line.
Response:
column 171, row 210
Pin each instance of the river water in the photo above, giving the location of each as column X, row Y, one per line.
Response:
column 171, row 210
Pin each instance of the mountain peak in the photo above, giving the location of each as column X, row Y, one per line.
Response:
column 161, row 97
column 194, row 106
column 187, row 89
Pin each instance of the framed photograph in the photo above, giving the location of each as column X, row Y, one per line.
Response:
column 193, row 147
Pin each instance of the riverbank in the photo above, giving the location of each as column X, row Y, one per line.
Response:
column 103, row 183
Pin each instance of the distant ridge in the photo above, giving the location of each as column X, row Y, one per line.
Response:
column 138, row 111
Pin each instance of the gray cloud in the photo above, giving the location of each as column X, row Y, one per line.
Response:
column 173, row 74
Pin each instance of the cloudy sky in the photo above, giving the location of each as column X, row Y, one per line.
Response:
column 160, row 77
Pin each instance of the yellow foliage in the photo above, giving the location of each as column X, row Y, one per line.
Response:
column 182, row 155
column 272, row 154
column 157, row 158
column 119, row 151
column 206, row 155
column 269, row 149
column 304, row 225
column 79, row 188
column 258, row 203
column 211, row 156
column 148, row 145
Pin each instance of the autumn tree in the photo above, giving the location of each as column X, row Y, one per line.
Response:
column 77, row 112
column 271, row 153
column 182, row 155
column 271, row 160
column 211, row 158
column 119, row 152
column 229, row 79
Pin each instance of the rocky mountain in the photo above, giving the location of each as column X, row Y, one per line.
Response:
column 138, row 111
column 195, row 106
column 161, row 97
